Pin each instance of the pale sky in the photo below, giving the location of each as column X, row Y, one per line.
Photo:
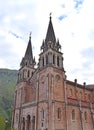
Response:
column 73, row 22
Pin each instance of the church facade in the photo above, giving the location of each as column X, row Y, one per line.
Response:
column 44, row 98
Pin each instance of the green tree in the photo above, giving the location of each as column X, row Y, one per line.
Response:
column 2, row 124
column 13, row 129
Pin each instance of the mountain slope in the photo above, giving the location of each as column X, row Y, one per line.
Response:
column 8, row 80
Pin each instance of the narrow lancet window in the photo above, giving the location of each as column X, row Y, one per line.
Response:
column 58, row 61
column 43, row 61
column 73, row 114
column 59, row 113
column 85, row 115
column 42, row 114
column 46, row 59
column 28, row 73
column 53, row 59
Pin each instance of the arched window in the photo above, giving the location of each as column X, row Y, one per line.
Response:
column 26, row 62
column 89, row 97
column 46, row 59
column 58, row 113
column 28, row 73
column 42, row 114
column 33, row 123
column 80, row 95
column 28, row 122
column 23, row 124
column 16, row 117
column 24, row 74
column 70, row 92
column 42, row 124
column 43, row 61
column 32, row 73
column 73, row 114
column 85, row 116
column 53, row 59
column 57, row 60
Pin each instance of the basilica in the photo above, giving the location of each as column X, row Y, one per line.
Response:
column 44, row 98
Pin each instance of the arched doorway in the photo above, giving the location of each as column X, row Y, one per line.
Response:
column 23, row 127
column 33, row 123
column 28, row 122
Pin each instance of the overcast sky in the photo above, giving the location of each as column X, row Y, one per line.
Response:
column 73, row 22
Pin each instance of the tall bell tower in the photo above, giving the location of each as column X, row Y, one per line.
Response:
column 51, row 77
column 27, row 64
column 23, row 92
column 51, row 54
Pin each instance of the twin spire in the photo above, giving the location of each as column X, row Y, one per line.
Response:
column 50, row 36
column 50, row 40
column 28, row 59
column 29, row 48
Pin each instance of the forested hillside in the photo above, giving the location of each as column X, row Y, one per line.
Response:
column 8, row 80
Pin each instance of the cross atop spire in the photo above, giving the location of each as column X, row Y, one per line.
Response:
column 50, row 16
column 30, row 35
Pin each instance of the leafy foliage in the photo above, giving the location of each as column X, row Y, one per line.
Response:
column 2, row 124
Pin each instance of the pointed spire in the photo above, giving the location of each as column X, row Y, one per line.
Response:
column 29, row 48
column 50, row 36
column 28, row 58
column 50, row 40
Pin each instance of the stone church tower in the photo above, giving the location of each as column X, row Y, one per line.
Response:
column 44, row 98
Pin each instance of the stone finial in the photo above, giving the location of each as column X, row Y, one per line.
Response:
column 75, row 80
column 84, row 84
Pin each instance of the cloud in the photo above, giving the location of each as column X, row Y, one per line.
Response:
column 71, row 8
column 14, row 34
column 73, row 25
column 91, row 34
column 78, row 3
column 83, row 72
column 62, row 17
column 63, row 5
column 88, row 54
